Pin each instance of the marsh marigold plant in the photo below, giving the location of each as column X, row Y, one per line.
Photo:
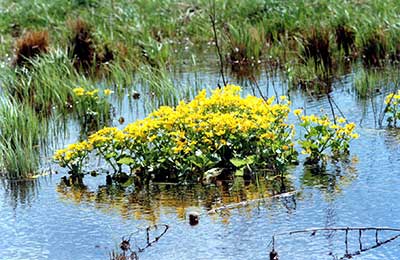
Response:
column 392, row 102
column 184, row 142
column 223, row 130
column 321, row 135
column 91, row 105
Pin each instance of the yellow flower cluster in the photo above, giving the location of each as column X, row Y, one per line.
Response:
column 73, row 154
column 206, row 127
column 393, row 108
column 93, row 93
column 393, row 98
column 322, row 134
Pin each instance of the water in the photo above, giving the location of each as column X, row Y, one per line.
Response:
column 42, row 220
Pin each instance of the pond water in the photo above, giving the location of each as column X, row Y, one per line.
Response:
column 43, row 220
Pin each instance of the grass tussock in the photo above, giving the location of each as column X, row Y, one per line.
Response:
column 246, row 44
column 316, row 45
column 19, row 140
column 81, row 44
column 29, row 46
column 345, row 38
column 374, row 48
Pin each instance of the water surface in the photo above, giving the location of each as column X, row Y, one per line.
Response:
column 43, row 220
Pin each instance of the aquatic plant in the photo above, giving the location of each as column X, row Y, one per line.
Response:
column 183, row 143
column 392, row 102
column 345, row 38
column 246, row 44
column 374, row 48
column 321, row 135
column 316, row 44
column 91, row 106
column 81, row 44
column 20, row 133
column 210, row 134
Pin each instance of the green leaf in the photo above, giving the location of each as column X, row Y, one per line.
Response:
column 239, row 172
column 110, row 155
column 126, row 161
column 238, row 162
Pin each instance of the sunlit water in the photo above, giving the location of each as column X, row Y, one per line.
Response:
column 42, row 220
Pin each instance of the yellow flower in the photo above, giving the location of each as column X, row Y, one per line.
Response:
column 354, row 136
column 108, row 92
column 92, row 93
column 152, row 138
column 297, row 112
column 270, row 136
column 79, row 91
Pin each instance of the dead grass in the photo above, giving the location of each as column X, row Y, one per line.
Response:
column 29, row 46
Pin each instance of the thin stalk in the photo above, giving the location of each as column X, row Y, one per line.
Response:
column 213, row 24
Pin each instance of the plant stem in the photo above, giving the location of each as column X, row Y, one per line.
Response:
column 213, row 23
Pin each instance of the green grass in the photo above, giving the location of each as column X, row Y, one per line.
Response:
column 156, row 26
column 20, row 140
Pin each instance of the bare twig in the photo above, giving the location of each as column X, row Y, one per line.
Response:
column 254, row 80
column 213, row 24
column 338, row 108
column 331, row 106
column 128, row 253
column 378, row 244
column 150, row 243
column 347, row 255
column 250, row 202
column 309, row 230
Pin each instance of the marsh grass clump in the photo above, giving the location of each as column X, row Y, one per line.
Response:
column 81, row 44
column 246, row 44
column 345, row 38
column 374, row 48
column 47, row 83
column 29, row 46
column 316, row 46
column 20, row 140
column 312, row 76
column 159, row 83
